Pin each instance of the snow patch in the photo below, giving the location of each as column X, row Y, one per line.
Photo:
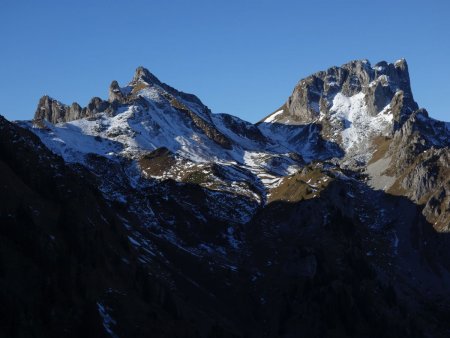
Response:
column 357, row 124
column 272, row 117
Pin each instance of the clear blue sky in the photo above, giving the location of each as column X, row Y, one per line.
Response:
column 239, row 57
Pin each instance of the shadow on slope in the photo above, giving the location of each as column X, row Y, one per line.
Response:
column 305, row 139
column 67, row 265
column 319, row 270
column 312, row 267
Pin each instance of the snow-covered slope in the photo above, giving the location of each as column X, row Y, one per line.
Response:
column 147, row 115
column 358, row 126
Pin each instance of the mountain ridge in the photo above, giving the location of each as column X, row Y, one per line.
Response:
column 337, row 115
column 328, row 218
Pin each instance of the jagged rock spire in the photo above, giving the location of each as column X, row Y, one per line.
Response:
column 50, row 110
column 143, row 75
column 53, row 111
column 115, row 93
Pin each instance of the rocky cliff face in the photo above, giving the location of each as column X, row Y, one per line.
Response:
column 328, row 218
column 53, row 111
column 314, row 95
column 418, row 161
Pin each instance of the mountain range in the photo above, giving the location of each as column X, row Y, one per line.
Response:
column 146, row 214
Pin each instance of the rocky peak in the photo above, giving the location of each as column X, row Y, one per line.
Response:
column 115, row 93
column 379, row 84
column 143, row 75
column 50, row 110
column 96, row 105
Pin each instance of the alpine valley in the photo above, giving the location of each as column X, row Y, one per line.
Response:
column 147, row 215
